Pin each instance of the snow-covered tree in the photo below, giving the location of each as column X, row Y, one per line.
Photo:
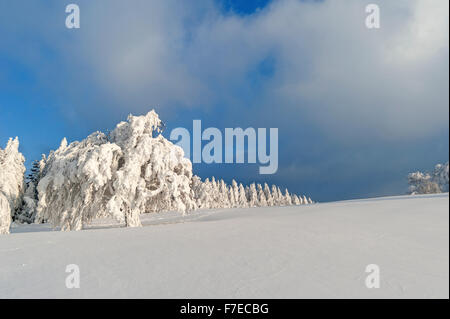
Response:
column 28, row 212
column 5, row 214
column 231, row 197
column 305, row 200
column 252, row 196
column 198, row 191
column 287, row 198
column 440, row 176
column 213, row 193
column 275, row 198
column 295, row 200
column 235, row 191
column 12, row 172
column 243, row 202
column 268, row 194
column 122, row 175
column 425, row 183
column 201, row 192
column 421, row 183
column 30, row 198
column 36, row 170
column 262, row 201
column 224, row 198
column 280, row 197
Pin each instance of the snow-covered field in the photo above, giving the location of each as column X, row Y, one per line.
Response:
column 308, row 251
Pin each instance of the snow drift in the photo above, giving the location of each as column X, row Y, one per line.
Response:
column 307, row 251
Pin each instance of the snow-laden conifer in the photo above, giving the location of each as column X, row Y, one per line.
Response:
column 262, row 201
column 287, row 198
column 12, row 172
column 243, row 202
column 295, row 200
column 305, row 200
column 253, row 196
column 269, row 197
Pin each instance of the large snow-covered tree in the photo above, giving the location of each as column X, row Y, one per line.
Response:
column 12, row 171
column 131, row 171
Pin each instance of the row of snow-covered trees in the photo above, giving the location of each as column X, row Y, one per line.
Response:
column 217, row 194
column 430, row 183
column 132, row 170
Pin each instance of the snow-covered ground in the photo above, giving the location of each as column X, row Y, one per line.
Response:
column 308, row 251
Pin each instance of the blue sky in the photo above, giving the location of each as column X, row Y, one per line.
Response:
column 357, row 109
